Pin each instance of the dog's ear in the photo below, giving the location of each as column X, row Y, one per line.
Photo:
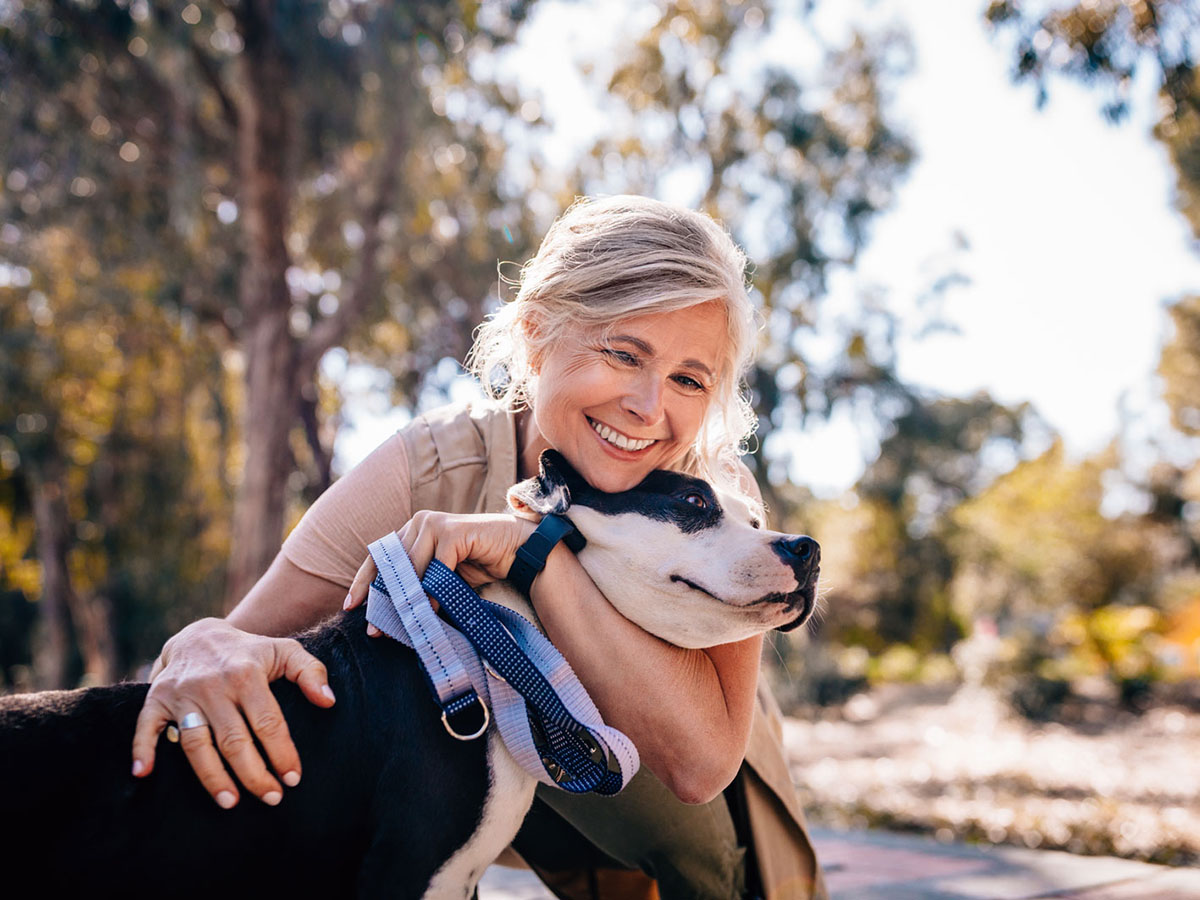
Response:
column 548, row 492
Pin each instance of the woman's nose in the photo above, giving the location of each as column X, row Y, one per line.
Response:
column 644, row 400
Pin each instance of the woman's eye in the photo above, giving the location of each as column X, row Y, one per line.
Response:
column 688, row 382
column 621, row 356
column 696, row 500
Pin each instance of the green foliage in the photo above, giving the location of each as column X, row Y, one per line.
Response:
column 110, row 403
column 409, row 168
column 127, row 223
column 1108, row 568
column 404, row 169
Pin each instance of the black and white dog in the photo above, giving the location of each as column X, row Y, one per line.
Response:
column 390, row 804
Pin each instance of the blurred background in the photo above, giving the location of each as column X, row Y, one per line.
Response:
column 241, row 242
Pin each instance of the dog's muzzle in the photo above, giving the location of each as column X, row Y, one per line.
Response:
column 803, row 555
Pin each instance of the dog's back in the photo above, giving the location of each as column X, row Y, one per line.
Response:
column 370, row 814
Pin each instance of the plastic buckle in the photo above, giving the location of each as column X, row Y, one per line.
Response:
column 595, row 751
column 554, row 770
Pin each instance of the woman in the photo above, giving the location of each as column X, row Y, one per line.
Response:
column 624, row 350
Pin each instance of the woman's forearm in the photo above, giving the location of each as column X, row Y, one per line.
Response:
column 286, row 600
column 688, row 711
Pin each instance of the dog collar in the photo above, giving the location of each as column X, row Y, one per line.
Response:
column 531, row 555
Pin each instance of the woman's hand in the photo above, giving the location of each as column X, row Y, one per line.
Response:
column 223, row 673
column 480, row 548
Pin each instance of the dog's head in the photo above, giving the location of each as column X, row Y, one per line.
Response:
column 676, row 557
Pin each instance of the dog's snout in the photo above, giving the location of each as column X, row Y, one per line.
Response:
column 801, row 552
column 803, row 548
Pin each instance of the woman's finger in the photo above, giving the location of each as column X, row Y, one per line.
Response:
column 151, row 721
column 197, row 744
column 296, row 664
column 421, row 542
column 233, row 742
column 262, row 713
column 360, row 587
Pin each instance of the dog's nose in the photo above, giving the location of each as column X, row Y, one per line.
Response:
column 802, row 553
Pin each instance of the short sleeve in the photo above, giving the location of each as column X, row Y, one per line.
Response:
column 371, row 500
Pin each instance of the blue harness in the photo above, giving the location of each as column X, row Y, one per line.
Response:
column 496, row 658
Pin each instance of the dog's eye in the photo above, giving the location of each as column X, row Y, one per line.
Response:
column 755, row 523
column 697, row 500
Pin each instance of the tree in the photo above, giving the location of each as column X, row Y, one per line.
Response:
column 111, row 453
column 258, row 150
column 893, row 547
column 281, row 177
column 1105, row 43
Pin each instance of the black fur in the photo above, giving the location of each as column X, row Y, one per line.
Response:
column 376, row 764
column 687, row 503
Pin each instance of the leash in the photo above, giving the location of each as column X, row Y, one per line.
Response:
column 496, row 658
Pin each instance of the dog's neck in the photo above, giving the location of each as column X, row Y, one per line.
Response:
column 505, row 594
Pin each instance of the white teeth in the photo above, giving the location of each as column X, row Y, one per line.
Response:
column 617, row 439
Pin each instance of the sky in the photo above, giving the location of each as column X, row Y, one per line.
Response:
column 1074, row 246
column 1065, row 227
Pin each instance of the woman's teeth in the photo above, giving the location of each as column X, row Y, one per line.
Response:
column 617, row 439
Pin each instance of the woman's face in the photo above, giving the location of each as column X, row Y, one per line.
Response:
column 620, row 407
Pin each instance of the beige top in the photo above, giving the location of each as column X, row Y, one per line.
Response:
column 466, row 460
column 463, row 459
column 372, row 500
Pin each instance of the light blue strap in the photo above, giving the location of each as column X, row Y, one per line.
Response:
column 575, row 752
column 415, row 619
column 576, row 745
column 512, row 715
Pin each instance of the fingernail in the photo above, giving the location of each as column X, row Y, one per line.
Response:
column 138, row 767
column 226, row 799
column 346, row 603
column 328, row 692
column 272, row 798
column 291, row 779
column 372, row 630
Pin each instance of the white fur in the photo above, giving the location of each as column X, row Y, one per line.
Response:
column 632, row 558
column 509, row 796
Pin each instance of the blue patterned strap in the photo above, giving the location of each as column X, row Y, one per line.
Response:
column 573, row 754
column 570, row 751
column 517, row 722
column 414, row 618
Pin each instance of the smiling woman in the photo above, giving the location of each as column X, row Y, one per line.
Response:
column 621, row 407
column 610, row 275
column 624, row 349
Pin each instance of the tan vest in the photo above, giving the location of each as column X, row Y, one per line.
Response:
column 463, row 459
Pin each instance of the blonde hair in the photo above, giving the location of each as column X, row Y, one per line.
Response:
column 608, row 259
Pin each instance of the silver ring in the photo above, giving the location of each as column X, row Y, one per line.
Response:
column 192, row 720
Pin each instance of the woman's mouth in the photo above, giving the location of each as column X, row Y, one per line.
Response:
column 618, row 440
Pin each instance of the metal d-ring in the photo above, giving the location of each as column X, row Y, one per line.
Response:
column 487, row 718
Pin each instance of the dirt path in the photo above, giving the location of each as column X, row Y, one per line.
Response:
column 959, row 765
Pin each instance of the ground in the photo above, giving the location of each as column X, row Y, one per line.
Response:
column 979, row 786
column 958, row 764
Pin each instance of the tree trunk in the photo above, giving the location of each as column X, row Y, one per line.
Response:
column 52, row 647
column 264, row 133
column 65, row 609
column 94, row 634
